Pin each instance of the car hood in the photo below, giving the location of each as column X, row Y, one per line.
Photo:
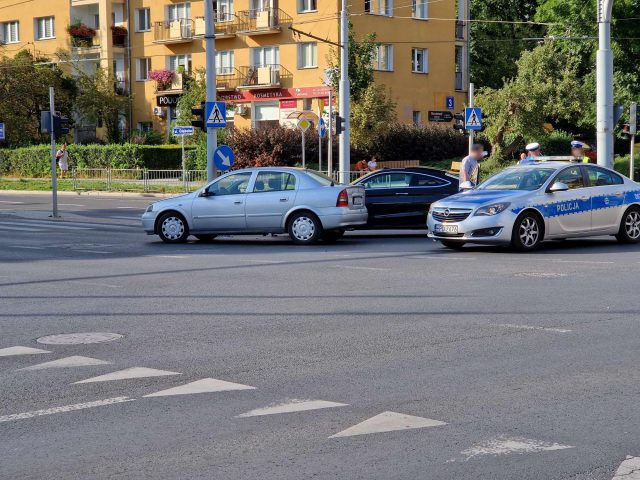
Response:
column 177, row 199
column 476, row 198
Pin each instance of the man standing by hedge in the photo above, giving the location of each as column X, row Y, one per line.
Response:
column 63, row 160
column 469, row 169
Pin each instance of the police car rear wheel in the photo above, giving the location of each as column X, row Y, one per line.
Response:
column 630, row 226
column 527, row 233
column 452, row 245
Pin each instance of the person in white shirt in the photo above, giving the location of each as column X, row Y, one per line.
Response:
column 469, row 166
column 372, row 164
column 62, row 156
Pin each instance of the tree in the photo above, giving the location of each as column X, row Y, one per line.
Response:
column 546, row 89
column 361, row 55
column 24, row 93
column 99, row 101
column 370, row 116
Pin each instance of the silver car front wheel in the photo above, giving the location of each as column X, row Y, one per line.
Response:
column 527, row 232
column 630, row 226
column 172, row 228
column 304, row 228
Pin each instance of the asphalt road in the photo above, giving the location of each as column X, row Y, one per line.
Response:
column 506, row 366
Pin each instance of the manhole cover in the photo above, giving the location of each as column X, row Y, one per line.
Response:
column 79, row 338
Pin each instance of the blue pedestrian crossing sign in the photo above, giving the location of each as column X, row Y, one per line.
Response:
column 2, row 134
column 224, row 158
column 473, row 118
column 322, row 128
column 216, row 114
column 451, row 103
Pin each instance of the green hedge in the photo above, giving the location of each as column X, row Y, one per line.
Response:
column 35, row 161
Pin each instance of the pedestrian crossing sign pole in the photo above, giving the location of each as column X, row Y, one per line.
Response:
column 216, row 114
column 473, row 118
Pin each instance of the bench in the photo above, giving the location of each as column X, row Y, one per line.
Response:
column 455, row 167
column 399, row 163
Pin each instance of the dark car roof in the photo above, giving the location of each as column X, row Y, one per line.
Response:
column 409, row 170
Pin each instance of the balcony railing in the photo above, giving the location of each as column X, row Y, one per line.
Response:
column 263, row 76
column 120, row 87
column 175, row 31
column 86, row 44
column 176, row 85
column 459, row 81
column 261, row 21
column 460, row 29
column 227, row 79
column 226, row 26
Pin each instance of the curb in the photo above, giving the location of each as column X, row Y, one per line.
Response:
column 95, row 193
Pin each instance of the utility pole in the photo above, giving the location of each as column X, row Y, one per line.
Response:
column 210, row 63
column 633, row 127
column 471, row 105
column 320, row 137
column 345, row 95
column 604, row 86
column 54, row 169
column 330, row 136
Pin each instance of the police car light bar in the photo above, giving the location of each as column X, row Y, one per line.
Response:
column 558, row 158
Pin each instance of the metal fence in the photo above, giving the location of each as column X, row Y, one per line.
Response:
column 137, row 179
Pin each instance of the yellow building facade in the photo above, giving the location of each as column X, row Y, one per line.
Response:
column 273, row 56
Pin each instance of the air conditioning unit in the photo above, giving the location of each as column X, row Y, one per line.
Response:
column 242, row 109
column 159, row 112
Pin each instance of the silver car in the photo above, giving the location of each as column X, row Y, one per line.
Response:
column 524, row 205
column 304, row 203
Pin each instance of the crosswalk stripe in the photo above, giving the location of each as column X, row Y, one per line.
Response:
column 206, row 385
column 18, row 350
column 66, row 408
column 388, row 422
column 629, row 469
column 21, row 229
column 291, row 406
column 48, row 225
column 504, row 445
column 127, row 373
column 73, row 361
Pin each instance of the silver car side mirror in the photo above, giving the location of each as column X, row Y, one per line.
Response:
column 558, row 187
column 466, row 186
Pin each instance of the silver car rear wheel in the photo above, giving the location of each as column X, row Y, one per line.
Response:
column 527, row 232
column 304, row 228
column 172, row 228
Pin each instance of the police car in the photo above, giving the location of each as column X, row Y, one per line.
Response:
column 547, row 200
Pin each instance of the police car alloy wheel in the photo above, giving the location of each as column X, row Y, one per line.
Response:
column 304, row 228
column 630, row 226
column 172, row 228
column 527, row 232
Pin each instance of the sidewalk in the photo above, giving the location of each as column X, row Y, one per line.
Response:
column 92, row 193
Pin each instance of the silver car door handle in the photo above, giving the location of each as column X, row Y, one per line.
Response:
column 618, row 193
column 584, row 198
column 401, row 193
column 284, row 199
column 239, row 202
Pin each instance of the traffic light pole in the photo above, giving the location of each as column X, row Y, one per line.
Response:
column 604, row 86
column 345, row 160
column 633, row 126
column 54, row 170
column 471, row 105
column 210, row 46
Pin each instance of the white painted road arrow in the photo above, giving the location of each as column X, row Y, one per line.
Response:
column 506, row 445
column 388, row 422
column 629, row 469
column 206, row 385
column 11, row 351
column 133, row 372
column 291, row 406
column 74, row 361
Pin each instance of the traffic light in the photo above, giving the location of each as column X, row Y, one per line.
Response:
column 60, row 125
column 339, row 125
column 200, row 122
column 458, row 121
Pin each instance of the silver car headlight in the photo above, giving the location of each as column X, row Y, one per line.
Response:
column 149, row 208
column 490, row 210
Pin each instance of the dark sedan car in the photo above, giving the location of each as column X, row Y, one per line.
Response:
column 400, row 197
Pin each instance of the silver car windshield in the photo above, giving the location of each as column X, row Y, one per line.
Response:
column 518, row 179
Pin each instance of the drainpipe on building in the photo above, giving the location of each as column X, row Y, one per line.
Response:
column 129, row 73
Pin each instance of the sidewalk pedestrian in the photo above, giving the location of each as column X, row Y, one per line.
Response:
column 362, row 166
column 469, row 168
column 373, row 163
column 62, row 156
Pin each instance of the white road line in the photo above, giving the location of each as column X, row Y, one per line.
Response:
column 531, row 327
column 504, row 445
column 94, row 251
column 21, row 229
column 131, row 208
column 206, row 385
column 73, row 361
column 441, row 257
column 71, row 204
column 125, row 218
column 127, row 373
column 48, row 225
column 95, row 284
column 169, row 256
column 629, row 469
column 12, row 203
column 66, row 408
column 388, row 422
column 291, row 406
column 353, row 267
column 589, row 262
column 27, row 247
column 17, row 350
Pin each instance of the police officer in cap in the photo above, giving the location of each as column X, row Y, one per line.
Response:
column 533, row 152
column 577, row 151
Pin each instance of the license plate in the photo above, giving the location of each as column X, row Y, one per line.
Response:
column 357, row 201
column 439, row 228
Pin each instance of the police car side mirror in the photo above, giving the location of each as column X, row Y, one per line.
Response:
column 558, row 187
column 466, row 186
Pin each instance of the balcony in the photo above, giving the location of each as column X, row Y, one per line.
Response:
column 261, row 22
column 263, row 77
column 119, row 36
column 227, row 79
column 175, row 86
column 460, row 30
column 120, row 87
column 226, row 25
column 176, row 31
column 86, row 45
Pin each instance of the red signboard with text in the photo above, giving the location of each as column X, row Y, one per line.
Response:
column 278, row 94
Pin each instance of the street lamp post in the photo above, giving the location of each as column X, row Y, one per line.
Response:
column 345, row 160
column 604, row 86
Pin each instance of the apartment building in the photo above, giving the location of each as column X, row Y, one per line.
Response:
column 267, row 65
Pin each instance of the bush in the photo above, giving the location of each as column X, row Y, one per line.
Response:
column 556, row 143
column 36, row 161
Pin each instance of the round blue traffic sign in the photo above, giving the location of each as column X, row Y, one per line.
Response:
column 224, row 158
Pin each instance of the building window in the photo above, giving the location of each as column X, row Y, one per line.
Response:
column 419, row 60
column 143, row 20
column 145, row 127
column 96, row 21
column 306, row 104
column 417, row 117
column 384, row 58
column 9, row 32
column 45, row 28
column 225, row 64
column 419, row 8
column 307, row 6
column 223, row 10
column 264, row 56
column 144, row 67
column 174, row 62
column 307, row 55
column 367, row 6
column 179, row 11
